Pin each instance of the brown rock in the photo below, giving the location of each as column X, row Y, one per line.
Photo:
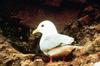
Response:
column 38, row 62
column 55, row 3
column 56, row 64
column 84, row 20
column 89, row 8
column 97, row 28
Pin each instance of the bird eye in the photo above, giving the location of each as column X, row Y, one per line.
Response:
column 42, row 25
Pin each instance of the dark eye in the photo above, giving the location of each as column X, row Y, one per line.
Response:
column 42, row 25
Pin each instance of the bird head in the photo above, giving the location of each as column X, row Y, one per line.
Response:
column 46, row 28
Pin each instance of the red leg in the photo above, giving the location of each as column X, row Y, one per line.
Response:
column 63, row 59
column 50, row 59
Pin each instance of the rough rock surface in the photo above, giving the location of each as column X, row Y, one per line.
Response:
column 19, row 48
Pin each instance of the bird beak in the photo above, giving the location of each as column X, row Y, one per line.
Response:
column 35, row 31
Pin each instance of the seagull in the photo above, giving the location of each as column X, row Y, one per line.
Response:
column 51, row 39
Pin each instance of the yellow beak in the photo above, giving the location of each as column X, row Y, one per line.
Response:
column 35, row 31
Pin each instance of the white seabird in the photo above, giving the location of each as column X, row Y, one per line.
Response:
column 50, row 38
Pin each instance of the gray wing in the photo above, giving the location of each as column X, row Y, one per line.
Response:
column 53, row 41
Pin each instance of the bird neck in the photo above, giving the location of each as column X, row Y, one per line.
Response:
column 49, row 33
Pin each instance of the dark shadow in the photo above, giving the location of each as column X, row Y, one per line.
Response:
column 19, row 34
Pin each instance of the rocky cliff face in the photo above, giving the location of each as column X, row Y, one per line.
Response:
column 79, row 19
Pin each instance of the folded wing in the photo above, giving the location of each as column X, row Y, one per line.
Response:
column 55, row 40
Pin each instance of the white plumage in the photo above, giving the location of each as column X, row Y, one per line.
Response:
column 53, row 41
column 50, row 37
column 96, row 64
